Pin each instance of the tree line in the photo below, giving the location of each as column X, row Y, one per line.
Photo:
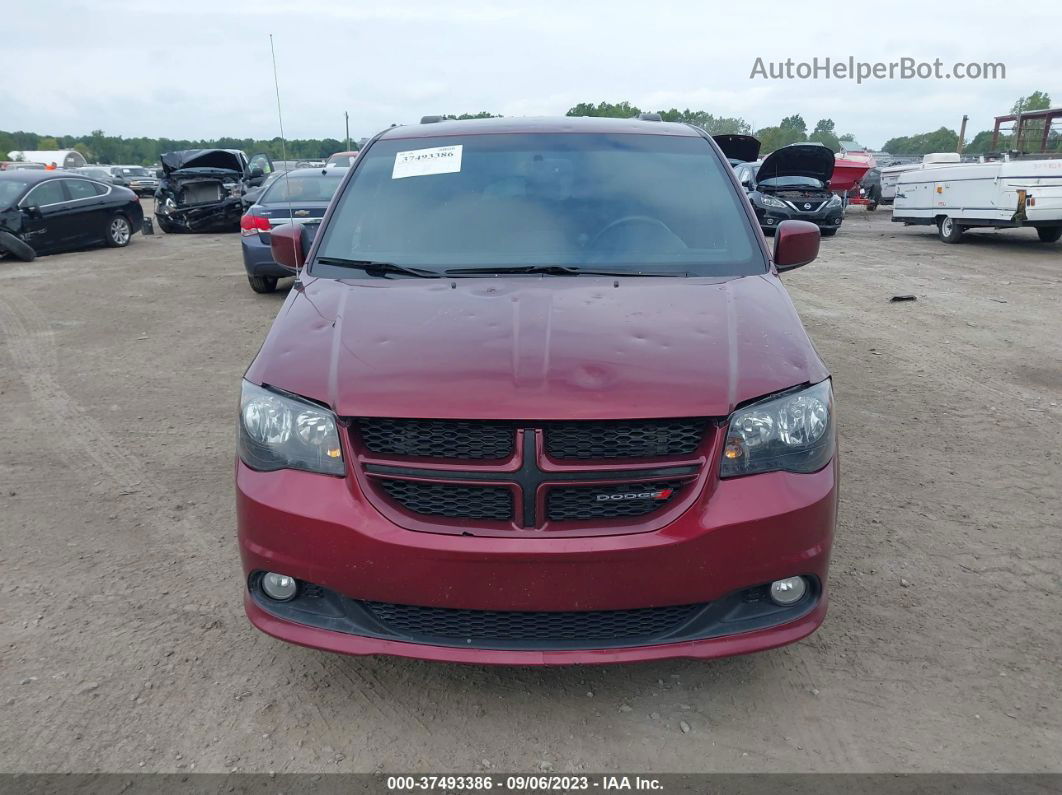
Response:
column 947, row 140
column 101, row 148
column 790, row 130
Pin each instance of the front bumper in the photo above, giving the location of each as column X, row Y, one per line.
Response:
column 218, row 216
column 826, row 218
column 751, row 531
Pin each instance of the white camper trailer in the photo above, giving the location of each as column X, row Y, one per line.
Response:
column 1001, row 194
column 891, row 174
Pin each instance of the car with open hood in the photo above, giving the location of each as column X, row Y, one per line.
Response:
column 793, row 183
column 202, row 189
column 738, row 148
column 537, row 396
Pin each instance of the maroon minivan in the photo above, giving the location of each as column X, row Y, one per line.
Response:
column 538, row 397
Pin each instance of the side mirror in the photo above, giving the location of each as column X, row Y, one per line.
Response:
column 32, row 211
column 285, row 241
column 256, row 173
column 796, row 243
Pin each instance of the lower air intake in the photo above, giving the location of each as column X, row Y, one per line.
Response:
column 460, row 626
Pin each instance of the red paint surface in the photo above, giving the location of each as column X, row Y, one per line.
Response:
column 531, row 348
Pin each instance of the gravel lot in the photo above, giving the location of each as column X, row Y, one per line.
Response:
column 123, row 645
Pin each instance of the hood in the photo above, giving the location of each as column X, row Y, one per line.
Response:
column 537, row 349
column 798, row 160
column 228, row 159
column 745, row 148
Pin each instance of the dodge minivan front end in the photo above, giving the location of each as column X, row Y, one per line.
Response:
column 566, row 417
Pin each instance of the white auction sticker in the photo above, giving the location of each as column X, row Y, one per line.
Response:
column 420, row 162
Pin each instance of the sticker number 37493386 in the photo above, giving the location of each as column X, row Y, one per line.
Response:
column 421, row 162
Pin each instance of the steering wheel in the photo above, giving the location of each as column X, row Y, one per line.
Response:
column 632, row 219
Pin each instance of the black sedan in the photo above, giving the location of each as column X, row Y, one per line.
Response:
column 42, row 212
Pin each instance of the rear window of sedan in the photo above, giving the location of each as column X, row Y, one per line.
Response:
column 303, row 188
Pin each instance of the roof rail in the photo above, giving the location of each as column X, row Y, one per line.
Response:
column 430, row 119
column 649, row 116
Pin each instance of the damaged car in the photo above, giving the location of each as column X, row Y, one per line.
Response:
column 792, row 183
column 201, row 189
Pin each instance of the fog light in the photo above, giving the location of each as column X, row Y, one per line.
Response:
column 788, row 591
column 282, row 588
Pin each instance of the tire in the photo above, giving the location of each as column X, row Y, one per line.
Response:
column 872, row 207
column 166, row 226
column 829, row 232
column 262, row 284
column 948, row 230
column 18, row 248
column 119, row 231
column 1049, row 234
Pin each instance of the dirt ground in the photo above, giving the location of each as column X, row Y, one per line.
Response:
column 123, row 646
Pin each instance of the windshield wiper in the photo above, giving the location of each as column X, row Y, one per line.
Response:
column 555, row 270
column 374, row 268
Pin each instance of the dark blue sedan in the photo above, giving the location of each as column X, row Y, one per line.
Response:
column 299, row 196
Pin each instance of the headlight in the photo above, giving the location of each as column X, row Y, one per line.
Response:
column 834, row 201
column 791, row 433
column 283, row 432
column 770, row 201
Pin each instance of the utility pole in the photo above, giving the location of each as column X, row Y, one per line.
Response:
column 346, row 118
column 962, row 134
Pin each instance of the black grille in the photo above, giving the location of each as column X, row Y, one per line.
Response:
column 446, row 499
column 438, row 438
column 624, row 438
column 572, row 503
column 462, row 626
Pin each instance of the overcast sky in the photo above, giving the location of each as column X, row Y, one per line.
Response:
column 201, row 69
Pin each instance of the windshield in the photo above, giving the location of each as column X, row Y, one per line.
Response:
column 135, row 172
column 11, row 189
column 626, row 202
column 303, row 188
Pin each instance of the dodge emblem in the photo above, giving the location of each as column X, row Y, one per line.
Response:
column 660, row 494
